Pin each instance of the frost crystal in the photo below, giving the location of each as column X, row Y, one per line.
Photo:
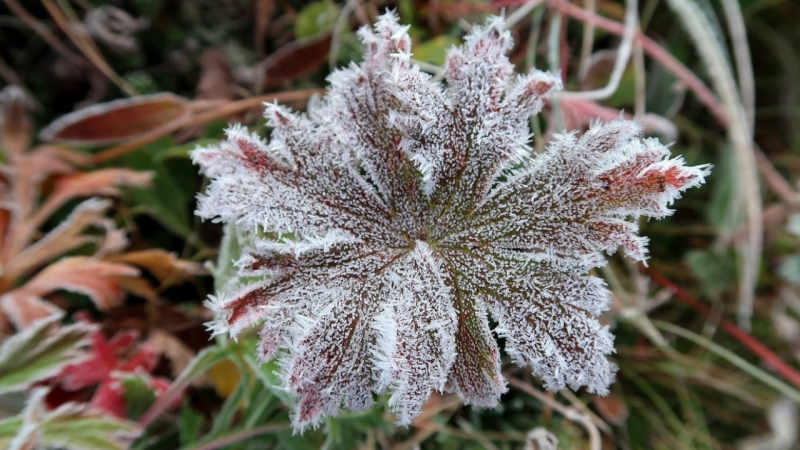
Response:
column 390, row 220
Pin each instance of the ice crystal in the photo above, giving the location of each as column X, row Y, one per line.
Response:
column 390, row 220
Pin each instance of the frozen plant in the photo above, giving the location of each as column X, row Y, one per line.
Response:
column 389, row 221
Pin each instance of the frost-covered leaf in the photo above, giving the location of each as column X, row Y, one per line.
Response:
column 71, row 426
column 386, row 224
column 39, row 352
column 118, row 120
column 96, row 279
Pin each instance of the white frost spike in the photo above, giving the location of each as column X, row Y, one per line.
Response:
column 388, row 222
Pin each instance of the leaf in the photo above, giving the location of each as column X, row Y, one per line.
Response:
column 386, row 223
column 612, row 407
column 167, row 200
column 434, row 50
column 315, row 18
column 96, row 279
column 86, row 184
column 39, row 352
column 164, row 265
column 296, row 59
column 8, row 430
column 225, row 377
column 174, row 349
column 70, row 426
column 68, row 235
column 189, row 423
column 117, row 121
column 138, row 393
column 230, row 250
column 714, row 268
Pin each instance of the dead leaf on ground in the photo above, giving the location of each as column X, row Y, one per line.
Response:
column 118, row 120
column 296, row 59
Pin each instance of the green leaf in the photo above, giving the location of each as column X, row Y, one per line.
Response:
column 224, row 419
column 434, row 50
column 8, row 429
column 139, row 394
column 167, row 200
column 189, row 424
column 86, row 432
column 70, row 426
column 40, row 352
column 230, row 250
column 315, row 19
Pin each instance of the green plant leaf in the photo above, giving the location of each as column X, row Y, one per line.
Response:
column 139, row 395
column 434, row 50
column 70, row 426
column 8, row 429
column 40, row 352
column 167, row 200
column 189, row 424
column 316, row 18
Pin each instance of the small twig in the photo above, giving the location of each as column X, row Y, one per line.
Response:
column 620, row 64
column 588, row 40
column 338, row 31
column 568, row 412
column 741, row 53
column 40, row 29
column 521, row 12
column 84, row 44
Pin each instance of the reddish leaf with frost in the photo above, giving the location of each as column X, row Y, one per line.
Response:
column 118, row 120
column 388, row 222
column 108, row 363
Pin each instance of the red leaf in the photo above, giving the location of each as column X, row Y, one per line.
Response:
column 117, row 121
column 296, row 59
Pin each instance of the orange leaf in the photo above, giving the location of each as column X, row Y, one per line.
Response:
column 118, row 120
column 93, row 278
column 22, row 309
column 85, row 184
column 65, row 237
column 163, row 265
